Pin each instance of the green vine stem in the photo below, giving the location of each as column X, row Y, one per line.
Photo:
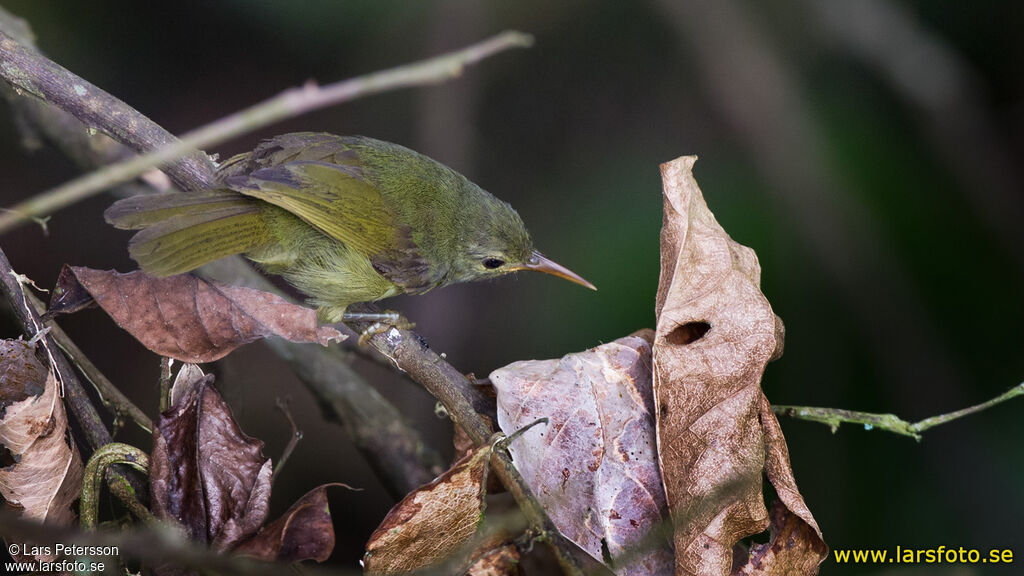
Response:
column 103, row 458
column 833, row 417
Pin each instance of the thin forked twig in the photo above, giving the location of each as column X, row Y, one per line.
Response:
column 293, row 440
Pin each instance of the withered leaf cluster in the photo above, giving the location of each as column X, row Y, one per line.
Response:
column 212, row 480
column 655, row 456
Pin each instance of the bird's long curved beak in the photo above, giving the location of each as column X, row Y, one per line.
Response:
column 539, row 263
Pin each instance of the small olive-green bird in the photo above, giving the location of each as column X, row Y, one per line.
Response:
column 344, row 219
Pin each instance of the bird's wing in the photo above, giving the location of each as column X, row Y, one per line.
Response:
column 339, row 202
column 293, row 147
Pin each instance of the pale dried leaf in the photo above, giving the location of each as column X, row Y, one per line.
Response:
column 594, row 467
column 715, row 333
column 46, row 476
column 188, row 376
column 185, row 317
column 432, row 522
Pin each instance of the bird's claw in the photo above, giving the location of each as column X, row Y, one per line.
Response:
column 381, row 322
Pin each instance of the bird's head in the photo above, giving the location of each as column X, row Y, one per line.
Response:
column 499, row 243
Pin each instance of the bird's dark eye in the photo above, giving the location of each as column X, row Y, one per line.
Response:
column 493, row 263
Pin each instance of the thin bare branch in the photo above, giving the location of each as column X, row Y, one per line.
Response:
column 153, row 546
column 100, row 461
column 28, row 69
column 30, row 72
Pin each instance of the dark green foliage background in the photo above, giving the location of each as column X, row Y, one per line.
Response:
column 571, row 132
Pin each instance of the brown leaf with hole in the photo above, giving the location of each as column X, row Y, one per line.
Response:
column 716, row 433
column 795, row 547
column 594, row 466
column 205, row 473
column 185, row 317
column 45, row 477
column 432, row 522
column 305, row 532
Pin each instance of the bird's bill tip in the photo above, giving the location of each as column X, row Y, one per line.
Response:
column 540, row 263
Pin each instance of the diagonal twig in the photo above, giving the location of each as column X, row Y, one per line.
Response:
column 40, row 77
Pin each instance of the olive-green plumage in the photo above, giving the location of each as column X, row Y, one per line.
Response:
column 343, row 219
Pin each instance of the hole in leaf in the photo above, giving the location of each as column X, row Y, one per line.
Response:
column 688, row 333
column 7, row 458
column 606, row 554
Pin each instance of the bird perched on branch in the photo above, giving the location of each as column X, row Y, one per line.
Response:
column 344, row 219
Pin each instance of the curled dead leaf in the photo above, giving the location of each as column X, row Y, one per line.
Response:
column 716, row 435
column 205, row 473
column 211, row 479
column 185, row 317
column 795, row 547
column 432, row 522
column 594, row 468
column 45, row 476
column 305, row 532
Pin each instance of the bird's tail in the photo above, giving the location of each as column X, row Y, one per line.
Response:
column 181, row 232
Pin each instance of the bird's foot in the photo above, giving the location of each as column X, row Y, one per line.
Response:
column 380, row 322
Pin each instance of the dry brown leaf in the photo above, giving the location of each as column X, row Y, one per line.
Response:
column 205, row 473
column 462, row 442
column 432, row 522
column 185, row 317
column 594, row 467
column 501, row 561
column 716, row 435
column 46, row 476
column 305, row 532
column 210, row 478
column 21, row 374
column 795, row 547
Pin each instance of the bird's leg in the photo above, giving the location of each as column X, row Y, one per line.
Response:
column 380, row 322
column 389, row 316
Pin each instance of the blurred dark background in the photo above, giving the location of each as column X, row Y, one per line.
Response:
column 867, row 150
